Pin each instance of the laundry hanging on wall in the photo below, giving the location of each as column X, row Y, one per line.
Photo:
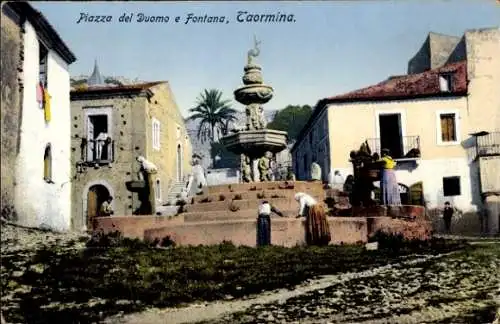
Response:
column 39, row 95
column 46, row 105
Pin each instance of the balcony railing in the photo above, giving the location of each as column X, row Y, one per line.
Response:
column 100, row 151
column 488, row 145
column 407, row 149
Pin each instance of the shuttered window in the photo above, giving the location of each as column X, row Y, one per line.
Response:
column 448, row 128
column 156, row 134
column 47, row 164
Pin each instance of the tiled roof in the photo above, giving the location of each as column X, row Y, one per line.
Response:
column 121, row 88
column 411, row 86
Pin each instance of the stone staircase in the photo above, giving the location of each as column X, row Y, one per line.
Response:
column 174, row 191
column 229, row 212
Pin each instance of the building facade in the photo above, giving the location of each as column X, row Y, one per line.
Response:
column 36, row 179
column 112, row 126
column 429, row 119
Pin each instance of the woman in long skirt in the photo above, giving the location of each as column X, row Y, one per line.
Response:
column 317, row 229
column 388, row 183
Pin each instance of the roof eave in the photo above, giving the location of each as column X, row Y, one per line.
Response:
column 44, row 29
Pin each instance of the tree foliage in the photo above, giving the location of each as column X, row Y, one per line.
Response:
column 291, row 119
column 214, row 115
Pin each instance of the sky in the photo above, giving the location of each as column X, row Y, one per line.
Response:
column 330, row 47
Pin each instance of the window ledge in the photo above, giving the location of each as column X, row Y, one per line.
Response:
column 448, row 143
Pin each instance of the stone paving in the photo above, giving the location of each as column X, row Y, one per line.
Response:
column 455, row 289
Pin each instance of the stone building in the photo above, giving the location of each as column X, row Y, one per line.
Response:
column 137, row 120
column 439, row 121
column 35, row 120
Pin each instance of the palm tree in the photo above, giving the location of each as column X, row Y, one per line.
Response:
column 213, row 113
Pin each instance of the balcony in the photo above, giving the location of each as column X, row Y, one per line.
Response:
column 407, row 148
column 488, row 144
column 99, row 152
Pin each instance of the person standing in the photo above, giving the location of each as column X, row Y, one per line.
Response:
column 317, row 229
column 388, row 183
column 448, row 212
column 264, row 223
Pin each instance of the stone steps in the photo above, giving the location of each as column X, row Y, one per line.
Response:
column 298, row 186
column 279, row 203
column 254, row 194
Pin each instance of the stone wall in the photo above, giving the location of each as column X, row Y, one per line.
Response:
column 11, row 46
column 128, row 132
column 434, row 53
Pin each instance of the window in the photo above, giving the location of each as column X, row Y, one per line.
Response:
column 156, row 134
column 448, row 127
column 42, row 64
column 47, row 164
column 99, row 144
column 445, row 82
column 157, row 190
column 451, row 186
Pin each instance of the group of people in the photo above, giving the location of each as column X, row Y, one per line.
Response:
column 317, row 229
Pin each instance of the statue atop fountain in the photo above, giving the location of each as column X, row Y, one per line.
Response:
column 255, row 141
column 254, row 52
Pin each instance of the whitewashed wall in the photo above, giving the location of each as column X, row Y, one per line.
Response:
column 222, row 176
column 40, row 204
column 431, row 173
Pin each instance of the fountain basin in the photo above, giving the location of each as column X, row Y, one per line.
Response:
column 255, row 142
column 253, row 94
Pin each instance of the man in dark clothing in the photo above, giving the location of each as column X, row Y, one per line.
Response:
column 264, row 223
column 447, row 216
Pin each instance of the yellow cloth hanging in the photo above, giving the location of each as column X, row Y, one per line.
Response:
column 389, row 162
column 46, row 105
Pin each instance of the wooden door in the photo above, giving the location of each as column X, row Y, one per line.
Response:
column 417, row 194
column 91, row 208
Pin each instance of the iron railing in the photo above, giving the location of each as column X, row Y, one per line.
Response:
column 100, row 151
column 488, row 145
column 407, row 149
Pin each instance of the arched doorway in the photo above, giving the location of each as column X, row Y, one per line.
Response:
column 179, row 163
column 96, row 195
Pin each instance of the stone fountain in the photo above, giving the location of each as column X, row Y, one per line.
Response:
column 255, row 144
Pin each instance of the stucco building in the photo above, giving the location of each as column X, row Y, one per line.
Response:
column 429, row 119
column 36, row 179
column 137, row 120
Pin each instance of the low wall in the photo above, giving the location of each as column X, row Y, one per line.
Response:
column 134, row 226
column 287, row 231
column 284, row 232
column 417, row 229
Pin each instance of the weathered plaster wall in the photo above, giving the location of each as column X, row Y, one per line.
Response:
column 163, row 107
column 128, row 132
column 483, row 73
column 315, row 144
column 38, row 202
column 351, row 124
column 10, row 47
